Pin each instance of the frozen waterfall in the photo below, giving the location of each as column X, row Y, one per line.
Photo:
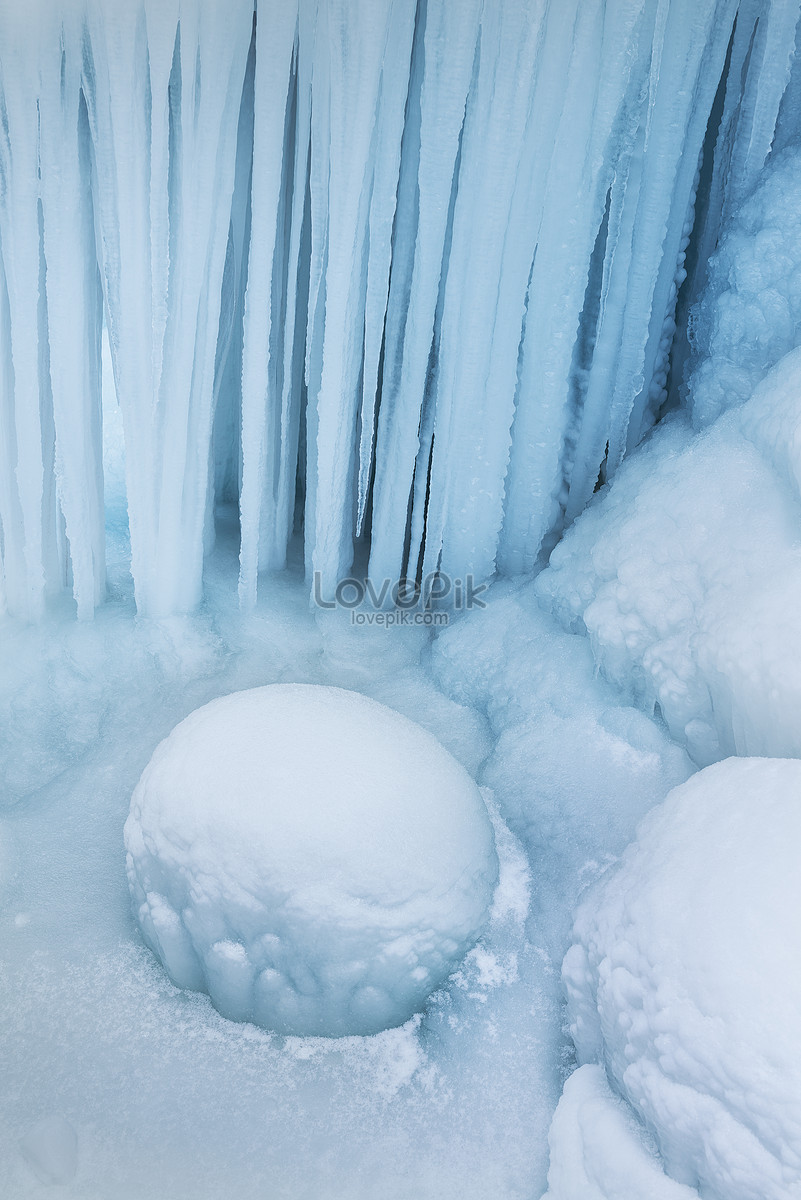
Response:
column 418, row 270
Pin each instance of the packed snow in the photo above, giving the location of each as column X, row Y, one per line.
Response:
column 313, row 860
column 683, row 979
column 574, row 767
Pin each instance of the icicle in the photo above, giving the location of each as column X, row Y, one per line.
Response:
column 31, row 556
column 488, row 268
column 686, row 61
column 388, row 137
column 74, row 309
column 451, row 35
column 276, row 32
column 416, row 261
column 356, row 46
column 164, row 358
column 594, row 52
column 213, row 58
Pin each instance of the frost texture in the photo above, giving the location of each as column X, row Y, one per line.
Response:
column 314, row 861
column 405, row 274
column 683, row 979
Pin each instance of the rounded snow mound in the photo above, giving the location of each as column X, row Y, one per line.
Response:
column 684, row 979
column 313, row 860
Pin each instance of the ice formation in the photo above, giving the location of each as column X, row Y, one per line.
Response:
column 750, row 314
column 683, row 979
column 694, row 610
column 314, row 861
column 574, row 766
column 598, row 1149
column 402, row 282
column 409, row 267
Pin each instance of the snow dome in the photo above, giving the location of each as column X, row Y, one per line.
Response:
column 316, row 862
column 684, row 979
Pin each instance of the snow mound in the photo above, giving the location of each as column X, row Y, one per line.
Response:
column 316, row 862
column 599, row 1152
column 573, row 769
column 684, row 979
column 686, row 571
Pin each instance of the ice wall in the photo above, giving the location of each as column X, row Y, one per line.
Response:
column 411, row 267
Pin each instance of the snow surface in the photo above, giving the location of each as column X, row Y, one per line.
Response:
column 574, row 767
column 313, row 860
column 457, row 1102
column 684, row 979
column 51, row 1149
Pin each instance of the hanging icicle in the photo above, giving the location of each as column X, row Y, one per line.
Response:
column 411, row 267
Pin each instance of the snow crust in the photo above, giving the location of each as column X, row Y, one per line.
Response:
column 684, row 981
column 315, row 861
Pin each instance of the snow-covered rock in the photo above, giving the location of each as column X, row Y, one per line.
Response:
column 599, row 1152
column 685, row 979
column 315, row 861
column 685, row 574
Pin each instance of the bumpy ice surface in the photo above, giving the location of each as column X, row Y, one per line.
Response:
column 316, row 862
column 686, row 572
column 750, row 314
column 598, row 1149
column 684, row 979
